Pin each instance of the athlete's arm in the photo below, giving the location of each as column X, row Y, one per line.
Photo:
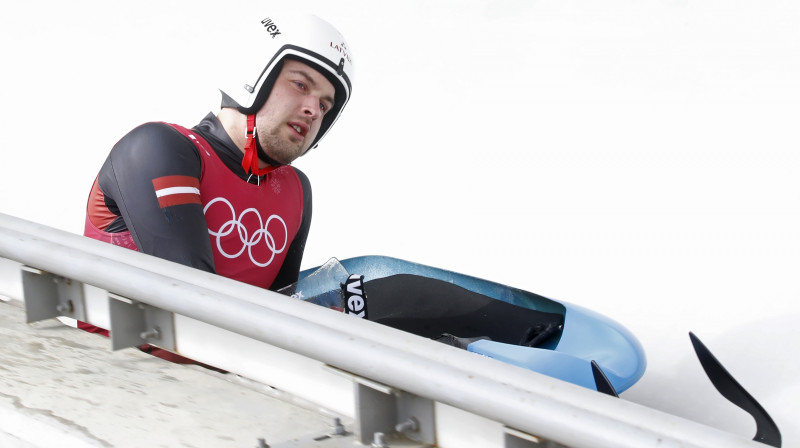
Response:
column 291, row 265
column 174, row 232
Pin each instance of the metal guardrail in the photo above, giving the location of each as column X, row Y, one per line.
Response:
column 414, row 376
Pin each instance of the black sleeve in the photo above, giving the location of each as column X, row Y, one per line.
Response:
column 291, row 266
column 177, row 233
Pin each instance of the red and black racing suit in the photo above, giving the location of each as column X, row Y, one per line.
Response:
column 182, row 195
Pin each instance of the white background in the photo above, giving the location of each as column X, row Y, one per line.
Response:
column 635, row 157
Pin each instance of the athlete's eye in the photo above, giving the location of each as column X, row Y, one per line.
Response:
column 300, row 85
column 325, row 104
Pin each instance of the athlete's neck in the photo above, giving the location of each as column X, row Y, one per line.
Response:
column 235, row 124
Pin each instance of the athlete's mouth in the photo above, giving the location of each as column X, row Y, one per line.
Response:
column 299, row 128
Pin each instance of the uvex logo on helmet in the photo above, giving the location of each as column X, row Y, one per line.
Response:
column 302, row 37
column 271, row 27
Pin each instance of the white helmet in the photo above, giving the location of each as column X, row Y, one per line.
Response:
column 306, row 38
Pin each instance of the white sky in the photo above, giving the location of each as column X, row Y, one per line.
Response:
column 635, row 157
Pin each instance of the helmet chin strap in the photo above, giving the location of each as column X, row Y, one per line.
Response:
column 252, row 152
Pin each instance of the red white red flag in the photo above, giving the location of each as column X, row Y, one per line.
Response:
column 177, row 190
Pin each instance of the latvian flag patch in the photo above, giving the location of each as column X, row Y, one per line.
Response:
column 177, row 190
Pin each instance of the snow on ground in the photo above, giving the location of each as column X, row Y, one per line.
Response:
column 637, row 158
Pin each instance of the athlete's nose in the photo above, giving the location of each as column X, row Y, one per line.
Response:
column 311, row 107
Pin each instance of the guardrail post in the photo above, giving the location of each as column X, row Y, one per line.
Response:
column 389, row 413
column 134, row 323
column 47, row 296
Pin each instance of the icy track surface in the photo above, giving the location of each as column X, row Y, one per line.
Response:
column 54, row 392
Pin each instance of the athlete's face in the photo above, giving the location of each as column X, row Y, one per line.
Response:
column 291, row 117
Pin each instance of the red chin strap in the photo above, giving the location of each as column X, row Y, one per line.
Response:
column 250, row 160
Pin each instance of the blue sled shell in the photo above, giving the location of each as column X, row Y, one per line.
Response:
column 586, row 336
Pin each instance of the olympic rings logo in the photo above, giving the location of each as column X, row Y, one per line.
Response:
column 247, row 240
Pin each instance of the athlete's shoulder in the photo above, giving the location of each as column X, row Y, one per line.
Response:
column 156, row 145
column 301, row 175
column 153, row 135
column 153, row 139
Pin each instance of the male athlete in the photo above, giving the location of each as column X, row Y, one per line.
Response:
column 222, row 196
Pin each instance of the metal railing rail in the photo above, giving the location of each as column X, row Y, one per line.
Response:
column 517, row 398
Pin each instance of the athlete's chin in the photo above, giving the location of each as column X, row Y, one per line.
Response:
column 281, row 150
column 284, row 155
column 284, row 159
